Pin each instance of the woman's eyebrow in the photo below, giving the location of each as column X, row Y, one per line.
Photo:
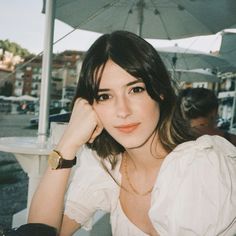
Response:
column 103, row 90
column 134, row 82
column 126, row 85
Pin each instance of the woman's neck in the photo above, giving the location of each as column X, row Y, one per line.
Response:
column 148, row 156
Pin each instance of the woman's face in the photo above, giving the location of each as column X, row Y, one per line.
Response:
column 124, row 107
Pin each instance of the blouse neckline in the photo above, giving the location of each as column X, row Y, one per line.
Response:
column 129, row 222
column 119, row 205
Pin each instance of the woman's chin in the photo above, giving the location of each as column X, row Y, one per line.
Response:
column 132, row 144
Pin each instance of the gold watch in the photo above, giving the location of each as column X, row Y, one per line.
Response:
column 56, row 161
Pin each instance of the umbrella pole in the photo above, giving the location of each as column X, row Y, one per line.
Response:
column 140, row 7
column 46, row 71
column 233, row 110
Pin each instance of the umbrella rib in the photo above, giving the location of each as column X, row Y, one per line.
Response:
column 162, row 21
column 88, row 19
column 99, row 11
column 129, row 12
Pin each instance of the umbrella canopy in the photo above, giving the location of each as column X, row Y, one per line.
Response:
column 163, row 19
column 11, row 98
column 21, row 98
column 228, row 47
column 196, row 75
column 27, row 98
column 185, row 59
column 160, row 19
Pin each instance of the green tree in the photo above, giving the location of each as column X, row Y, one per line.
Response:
column 14, row 48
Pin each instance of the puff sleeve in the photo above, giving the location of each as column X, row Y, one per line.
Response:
column 195, row 193
column 90, row 190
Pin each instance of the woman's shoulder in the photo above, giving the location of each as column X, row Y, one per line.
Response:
column 197, row 176
column 205, row 144
column 205, row 150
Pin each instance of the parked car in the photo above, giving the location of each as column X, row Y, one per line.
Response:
column 60, row 117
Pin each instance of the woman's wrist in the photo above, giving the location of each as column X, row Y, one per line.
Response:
column 67, row 152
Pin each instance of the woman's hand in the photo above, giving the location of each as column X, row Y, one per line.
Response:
column 84, row 126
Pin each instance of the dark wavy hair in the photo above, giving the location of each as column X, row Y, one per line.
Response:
column 197, row 102
column 141, row 60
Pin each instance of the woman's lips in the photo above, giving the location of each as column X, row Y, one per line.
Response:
column 127, row 128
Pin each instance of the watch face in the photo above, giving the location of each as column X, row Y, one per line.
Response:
column 53, row 160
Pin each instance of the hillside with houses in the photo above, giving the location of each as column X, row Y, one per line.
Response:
column 20, row 75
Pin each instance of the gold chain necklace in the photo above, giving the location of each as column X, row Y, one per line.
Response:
column 130, row 184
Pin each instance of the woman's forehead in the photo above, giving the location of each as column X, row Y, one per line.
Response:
column 112, row 73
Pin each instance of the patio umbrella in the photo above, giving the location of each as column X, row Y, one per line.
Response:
column 186, row 59
column 11, row 98
column 228, row 46
column 196, row 75
column 162, row 19
column 27, row 98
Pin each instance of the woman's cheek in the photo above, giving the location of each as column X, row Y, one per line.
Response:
column 102, row 114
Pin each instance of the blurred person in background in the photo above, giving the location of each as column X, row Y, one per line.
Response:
column 200, row 107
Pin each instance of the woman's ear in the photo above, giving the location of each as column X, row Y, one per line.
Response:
column 162, row 97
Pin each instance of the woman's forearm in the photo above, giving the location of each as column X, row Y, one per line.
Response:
column 48, row 201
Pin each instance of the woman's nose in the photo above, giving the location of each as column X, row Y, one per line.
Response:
column 123, row 107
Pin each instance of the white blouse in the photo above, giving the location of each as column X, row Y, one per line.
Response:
column 194, row 194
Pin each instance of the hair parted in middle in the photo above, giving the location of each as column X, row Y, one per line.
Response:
column 139, row 58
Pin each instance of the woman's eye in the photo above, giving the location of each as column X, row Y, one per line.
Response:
column 102, row 97
column 137, row 90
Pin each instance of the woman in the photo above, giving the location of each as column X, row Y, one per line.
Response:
column 134, row 161
column 200, row 108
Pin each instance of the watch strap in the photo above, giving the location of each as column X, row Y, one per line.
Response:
column 64, row 163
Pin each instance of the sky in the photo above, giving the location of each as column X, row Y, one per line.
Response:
column 21, row 21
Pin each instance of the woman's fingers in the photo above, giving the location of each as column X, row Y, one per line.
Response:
column 96, row 132
column 84, row 125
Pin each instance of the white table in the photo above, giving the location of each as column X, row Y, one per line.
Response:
column 32, row 157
